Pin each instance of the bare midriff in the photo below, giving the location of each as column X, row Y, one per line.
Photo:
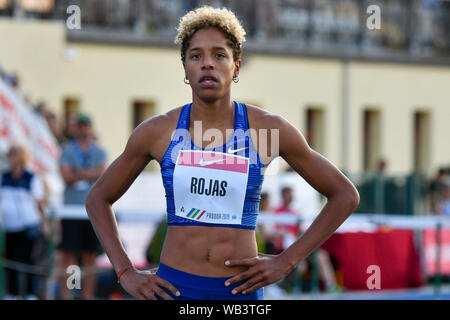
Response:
column 202, row 250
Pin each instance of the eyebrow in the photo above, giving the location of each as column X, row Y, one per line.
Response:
column 214, row 48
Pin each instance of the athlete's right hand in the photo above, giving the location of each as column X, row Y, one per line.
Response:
column 146, row 285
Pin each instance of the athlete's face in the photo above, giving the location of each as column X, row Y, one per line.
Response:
column 209, row 64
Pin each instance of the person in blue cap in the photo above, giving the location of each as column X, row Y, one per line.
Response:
column 82, row 162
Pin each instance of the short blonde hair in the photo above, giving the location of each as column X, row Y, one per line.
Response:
column 19, row 148
column 205, row 17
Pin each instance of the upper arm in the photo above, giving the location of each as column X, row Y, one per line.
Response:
column 118, row 177
column 66, row 164
column 318, row 171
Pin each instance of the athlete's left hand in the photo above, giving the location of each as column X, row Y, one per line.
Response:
column 262, row 271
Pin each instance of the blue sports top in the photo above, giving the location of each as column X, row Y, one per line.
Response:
column 219, row 186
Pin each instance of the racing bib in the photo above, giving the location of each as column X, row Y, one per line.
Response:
column 210, row 186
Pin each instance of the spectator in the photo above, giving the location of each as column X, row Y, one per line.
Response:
column 54, row 127
column 381, row 166
column 70, row 127
column 445, row 203
column 266, row 230
column 436, row 188
column 82, row 163
column 287, row 233
column 13, row 80
column 22, row 196
column 41, row 108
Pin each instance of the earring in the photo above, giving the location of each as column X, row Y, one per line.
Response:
column 236, row 79
column 185, row 80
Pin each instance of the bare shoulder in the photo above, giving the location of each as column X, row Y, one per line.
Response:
column 289, row 139
column 262, row 119
column 153, row 135
column 160, row 123
column 266, row 126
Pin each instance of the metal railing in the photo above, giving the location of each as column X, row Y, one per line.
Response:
column 393, row 194
column 353, row 223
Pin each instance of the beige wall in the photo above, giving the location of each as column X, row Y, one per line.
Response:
column 34, row 50
column 107, row 78
column 398, row 91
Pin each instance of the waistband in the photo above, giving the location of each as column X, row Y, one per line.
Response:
column 190, row 280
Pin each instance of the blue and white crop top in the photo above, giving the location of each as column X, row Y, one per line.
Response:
column 213, row 187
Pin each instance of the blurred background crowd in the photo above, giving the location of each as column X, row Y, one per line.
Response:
column 94, row 85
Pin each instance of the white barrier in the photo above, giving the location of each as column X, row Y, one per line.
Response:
column 356, row 222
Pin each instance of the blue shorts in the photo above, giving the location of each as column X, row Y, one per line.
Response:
column 194, row 287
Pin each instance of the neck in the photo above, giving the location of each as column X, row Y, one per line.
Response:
column 83, row 142
column 212, row 113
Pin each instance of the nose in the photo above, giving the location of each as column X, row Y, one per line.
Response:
column 208, row 63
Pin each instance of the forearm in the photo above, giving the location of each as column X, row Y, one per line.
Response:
column 335, row 212
column 72, row 176
column 91, row 174
column 104, row 222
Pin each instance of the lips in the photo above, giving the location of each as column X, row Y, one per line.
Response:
column 208, row 79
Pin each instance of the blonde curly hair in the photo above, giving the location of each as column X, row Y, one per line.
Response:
column 205, row 17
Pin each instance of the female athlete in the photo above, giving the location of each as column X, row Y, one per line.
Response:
column 213, row 185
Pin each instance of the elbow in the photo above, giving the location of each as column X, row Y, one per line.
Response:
column 352, row 198
column 95, row 200
column 90, row 202
column 347, row 198
column 356, row 199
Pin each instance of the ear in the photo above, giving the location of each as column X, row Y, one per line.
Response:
column 237, row 68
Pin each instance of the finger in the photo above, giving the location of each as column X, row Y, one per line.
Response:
column 161, row 293
column 248, row 284
column 169, row 286
column 255, row 287
column 140, row 296
column 148, row 294
column 242, row 262
column 241, row 276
